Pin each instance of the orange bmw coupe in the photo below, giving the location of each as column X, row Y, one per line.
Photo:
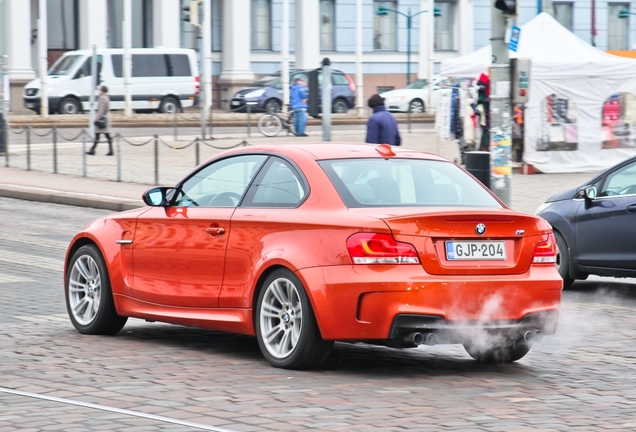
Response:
column 304, row 245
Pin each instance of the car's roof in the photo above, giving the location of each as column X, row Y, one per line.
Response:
column 322, row 151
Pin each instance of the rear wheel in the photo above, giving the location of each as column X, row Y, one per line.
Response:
column 504, row 351
column 270, row 125
column 89, row 299
column 286, row 327
column 340, row 106
column 69, row 105
column 563, row 260
column 169, row 105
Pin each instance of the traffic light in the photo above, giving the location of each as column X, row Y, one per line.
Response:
column 508, row 7
column 191, row 13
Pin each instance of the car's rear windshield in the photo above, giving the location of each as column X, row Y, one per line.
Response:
column 265, row 81
column 373, row 182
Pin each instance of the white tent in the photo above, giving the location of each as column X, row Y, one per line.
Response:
column 570, row 82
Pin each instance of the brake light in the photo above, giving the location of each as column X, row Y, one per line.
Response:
column 197, row 85
column 374, row 248
column 352, row 85
column 545, row 252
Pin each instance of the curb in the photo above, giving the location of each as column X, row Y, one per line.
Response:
column 53, row 196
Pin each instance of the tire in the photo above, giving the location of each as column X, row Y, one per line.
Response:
column 69, row 105
column 89, row 299
column 272, row 106
column 169, row 105
column 417, row 106
column 504, row 351
column 270, row 125
column 339, row 106
column 563, row 260
column 286, row 327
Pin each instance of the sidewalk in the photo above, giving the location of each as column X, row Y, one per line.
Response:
column 99, row 189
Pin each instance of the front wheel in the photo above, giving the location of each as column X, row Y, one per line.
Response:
column 89, row 299
column 69, row 105
column 272, row 106
column 286, row 327
column 503, row 351
column 270, row 125
column 417, row 106
column 563, row 260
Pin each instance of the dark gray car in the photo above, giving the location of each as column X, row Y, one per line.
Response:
column 266, row 93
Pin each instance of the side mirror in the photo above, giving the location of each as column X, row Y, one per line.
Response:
column 156, row 197
column 589, row 193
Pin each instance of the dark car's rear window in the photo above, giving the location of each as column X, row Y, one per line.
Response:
column 373, row 182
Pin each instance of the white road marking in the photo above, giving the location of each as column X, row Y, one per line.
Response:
column 115, row 410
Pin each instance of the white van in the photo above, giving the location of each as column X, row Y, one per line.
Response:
column 162, row 79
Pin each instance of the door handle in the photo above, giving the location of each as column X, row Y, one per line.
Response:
column 215, row 231
column 631, row 208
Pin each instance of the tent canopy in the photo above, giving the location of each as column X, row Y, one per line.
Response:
column 556, row 53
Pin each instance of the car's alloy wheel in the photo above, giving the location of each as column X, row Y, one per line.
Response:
column 340, row 107
column 272, row 106
column 169, row 105
column 286, row 326
column 69, row 105
column 416, row 106
column 89, row 299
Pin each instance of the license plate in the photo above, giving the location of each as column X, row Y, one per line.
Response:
column 475, row 250
column 30, row 105
column 236, row 103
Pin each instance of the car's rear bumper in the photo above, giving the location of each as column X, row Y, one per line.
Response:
column 364, row 302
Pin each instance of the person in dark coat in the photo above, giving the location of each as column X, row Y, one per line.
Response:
column 103, row 110
column 382, row 127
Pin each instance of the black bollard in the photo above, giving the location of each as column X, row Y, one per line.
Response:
column 478, row 164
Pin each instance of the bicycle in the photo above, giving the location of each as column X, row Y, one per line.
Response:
column 271, row 124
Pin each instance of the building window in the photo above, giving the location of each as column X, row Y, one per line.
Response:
column 327, row 25
column 563, row 14
column 445, row 26
column 261, row 25
column 141, row 17
column 189, row 32
column 617, row 28
column 62, row 24
column 385, row 27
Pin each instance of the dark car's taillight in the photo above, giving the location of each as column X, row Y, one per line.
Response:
column 375, row 248
column 545, row 252
column 352, row 85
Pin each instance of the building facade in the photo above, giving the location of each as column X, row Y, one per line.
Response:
column 246, row 35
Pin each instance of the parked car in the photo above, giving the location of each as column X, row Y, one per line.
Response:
column 304, row 245
column 594, row 225
column 163, row 79
column 267, row 92
column 414, row 97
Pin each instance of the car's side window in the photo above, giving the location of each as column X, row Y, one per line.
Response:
column 221, row 183
column 278, row 185
column 620, row 182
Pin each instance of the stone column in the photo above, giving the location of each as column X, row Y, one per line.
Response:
column 236, row 71
column 307, row 34
column 16, row 31
column 166, row 31
column 93, row 24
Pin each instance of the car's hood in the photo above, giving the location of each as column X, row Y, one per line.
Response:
column 247, row 90
column 403, row 92
column 565, row 195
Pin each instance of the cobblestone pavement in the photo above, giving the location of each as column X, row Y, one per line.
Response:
column 156, row 377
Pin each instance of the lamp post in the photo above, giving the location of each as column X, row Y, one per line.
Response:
column 384, row 11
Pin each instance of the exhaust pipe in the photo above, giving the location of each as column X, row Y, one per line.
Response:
column 414, row 338
column 430, row 339
column 533, row 336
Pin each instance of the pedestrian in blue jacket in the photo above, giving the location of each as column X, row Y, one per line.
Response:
column 382, row 127
column 298, row 101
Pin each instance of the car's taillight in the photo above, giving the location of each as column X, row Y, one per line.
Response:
column 197, row 85
column 352, row 85
column 545, row 252
column 374, row 248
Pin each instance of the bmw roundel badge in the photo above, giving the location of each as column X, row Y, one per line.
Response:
column 480, row 229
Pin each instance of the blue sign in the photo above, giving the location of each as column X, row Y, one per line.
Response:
column 515, row 32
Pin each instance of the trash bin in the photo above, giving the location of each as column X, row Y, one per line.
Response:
column 478, row 164
column 3, row 135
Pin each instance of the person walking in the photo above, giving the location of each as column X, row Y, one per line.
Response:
column 382, row 127
column 298, row 101
column 103, row 116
